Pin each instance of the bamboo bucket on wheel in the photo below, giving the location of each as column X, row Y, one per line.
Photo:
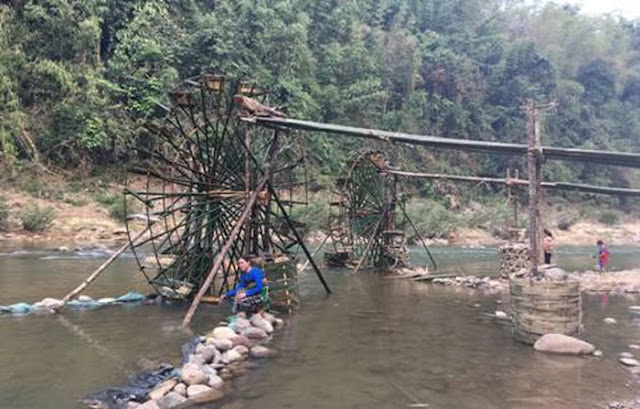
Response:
column 545, row 306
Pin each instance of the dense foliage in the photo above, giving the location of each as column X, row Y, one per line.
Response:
column 77, row 77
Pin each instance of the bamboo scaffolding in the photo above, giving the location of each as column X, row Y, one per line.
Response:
column 549, row 152
column 521, row 182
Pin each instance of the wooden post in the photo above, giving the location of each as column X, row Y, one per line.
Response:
column 99, row 270
column 534, row 155
column 515, row 204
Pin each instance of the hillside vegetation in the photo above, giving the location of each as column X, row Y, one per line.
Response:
column 78, row 77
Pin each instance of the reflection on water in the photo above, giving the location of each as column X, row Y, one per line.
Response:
column 374, row 343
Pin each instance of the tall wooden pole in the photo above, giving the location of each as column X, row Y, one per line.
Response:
column 534, row 155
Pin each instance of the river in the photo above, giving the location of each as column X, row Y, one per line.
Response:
column 375, row 342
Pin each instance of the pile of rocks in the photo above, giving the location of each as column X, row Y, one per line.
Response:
column 487, row 283
column 218, row 356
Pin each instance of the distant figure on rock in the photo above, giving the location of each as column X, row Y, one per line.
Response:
column 603, row 256
column 254, row 108
column 251, row 292
column 547, row 246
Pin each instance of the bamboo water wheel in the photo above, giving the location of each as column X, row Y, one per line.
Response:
column 363, row 223
column 205, row 163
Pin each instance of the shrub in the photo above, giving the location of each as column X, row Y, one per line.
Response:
column 4, row 214
column 36, row 219
column 609, row 217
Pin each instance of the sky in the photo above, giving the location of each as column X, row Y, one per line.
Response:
column 629, row 9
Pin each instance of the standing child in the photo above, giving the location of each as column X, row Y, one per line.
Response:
column 603, row 256
column 547, row 246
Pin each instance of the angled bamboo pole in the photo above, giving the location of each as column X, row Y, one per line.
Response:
column 370, row 243
column 415, row 229
column 306, row 263
column 99, row 270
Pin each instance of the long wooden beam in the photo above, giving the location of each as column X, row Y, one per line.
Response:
column 614, row 191
column 549, row 152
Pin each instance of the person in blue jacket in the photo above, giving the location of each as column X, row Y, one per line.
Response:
column 248, row 293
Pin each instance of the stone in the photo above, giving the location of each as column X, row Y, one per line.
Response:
column 220, row 344
column 85, row 298
column 241, row 349
column 48, row 303
column 563, row 344
column 150, row 404
column 171, row 400
column 269, row 317
column 555, row 274
column 209, row 370
column 279, row 323
column 240, row 324
column 610, row 320
column 255, row 333
column 629, row 361
column 208, row 352
column 216, row 382
column 193, row 374
column 241, row 340
column 502, row 315
column 259, row 351
column 203, row 394
column 223, row 333
column 180, row 389
column 162, row 389
column 231, row 356
column 635, row 308
column 626, row 355
column 259, row 322
column 107, row 300
column 597, row 353
column 134, row 405
column 634, row 346
column 197, row 359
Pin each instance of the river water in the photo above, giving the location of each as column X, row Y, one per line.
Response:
column 374, row 343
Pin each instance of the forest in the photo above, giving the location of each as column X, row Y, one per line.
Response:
column 78, row 78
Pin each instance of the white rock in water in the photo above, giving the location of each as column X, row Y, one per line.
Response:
column 634, row 346
column 626, row 355
column 502, row 315
column 240, row 324
column 269, row 317
column 556, row 274
column 259, row 322
column 193, row 374
column 259, row 351
column 220, row 344
column 180, row 389
column 223, row 333
column 610, row 320
column 171, row 400
column 255, row 333
column 162, row 389
column 597, row 353
column 563, row 344
column 629, row 361
column 279, row 323
column 85, row 298
column 108, row 300
column 203, row 394
column 231, row 356
column 48, row 303
column 216, row 382
column 635, row 308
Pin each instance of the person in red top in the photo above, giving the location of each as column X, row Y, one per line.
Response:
column 603, row 256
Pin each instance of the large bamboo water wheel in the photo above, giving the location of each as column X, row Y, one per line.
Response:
column 205, row 166
column 363, row 223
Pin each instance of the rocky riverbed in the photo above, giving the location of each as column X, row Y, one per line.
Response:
column 209, row 361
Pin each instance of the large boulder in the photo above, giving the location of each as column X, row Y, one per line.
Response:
column 259, row 322
column 223, row 333
column 193, row 374
column 556, row 274
column 563, row 344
